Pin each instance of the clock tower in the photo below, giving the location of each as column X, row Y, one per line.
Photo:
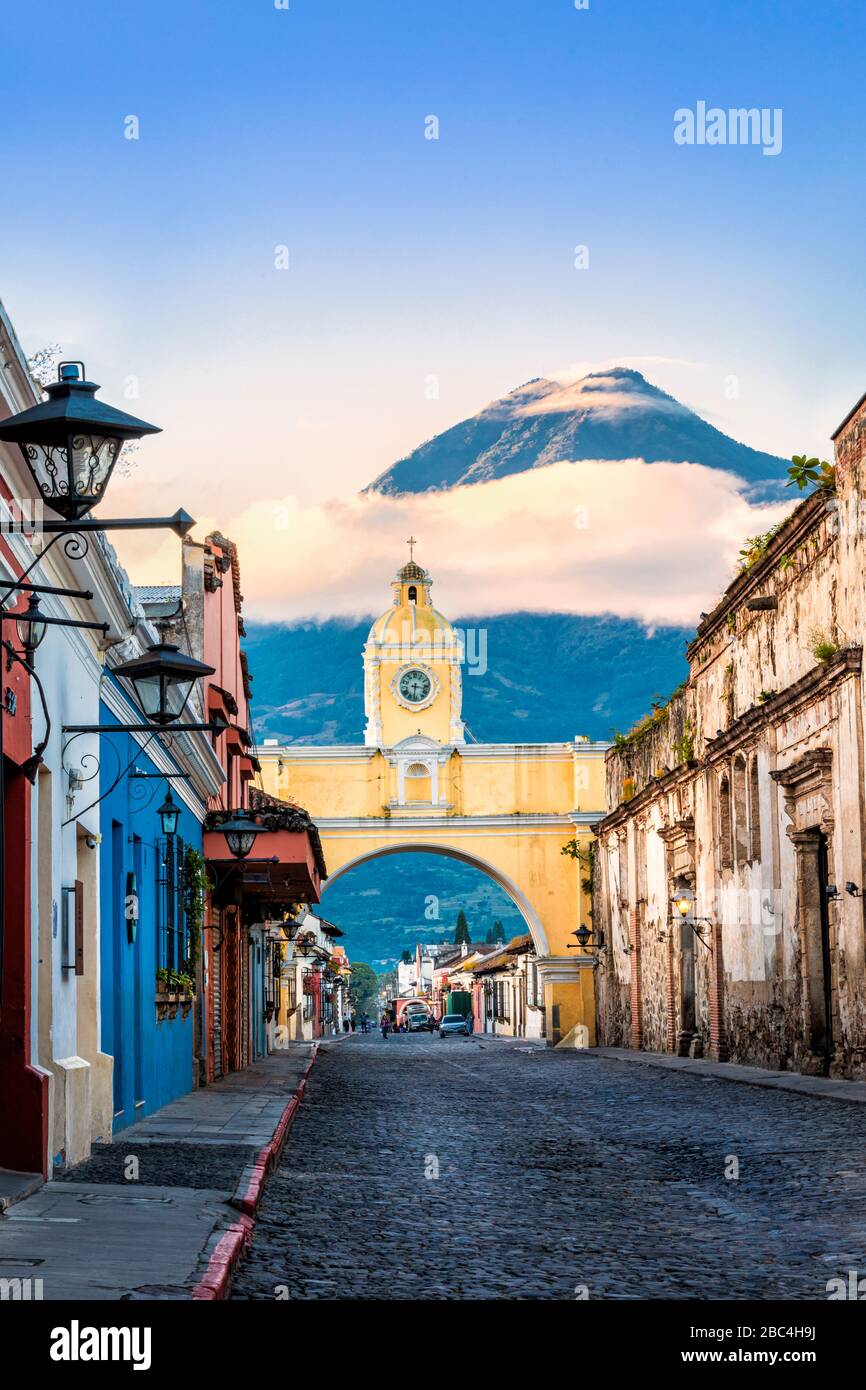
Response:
column 412, row 676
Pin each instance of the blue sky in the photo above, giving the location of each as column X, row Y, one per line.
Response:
column 410, row 257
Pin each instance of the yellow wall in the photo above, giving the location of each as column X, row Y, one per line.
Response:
column 341, row 788
column 360, row 781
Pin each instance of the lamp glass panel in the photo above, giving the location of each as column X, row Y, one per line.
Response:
column 30, row 634
column 182, row 685
column 91, row 459
column 240, row 842
column 150, row 692
column 47, row 463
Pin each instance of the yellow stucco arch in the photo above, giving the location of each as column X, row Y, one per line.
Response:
column 419, row 782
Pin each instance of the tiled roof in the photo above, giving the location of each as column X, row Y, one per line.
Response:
column 500, row 959
column 156, row 593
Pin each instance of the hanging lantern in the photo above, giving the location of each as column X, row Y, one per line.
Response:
column 71, row 442
column 169, row 813
column 240, row 833
column 163, row 678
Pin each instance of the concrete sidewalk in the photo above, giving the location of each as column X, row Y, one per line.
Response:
column 157, row 1214
column 827, row 1088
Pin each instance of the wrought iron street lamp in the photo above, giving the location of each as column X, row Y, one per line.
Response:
column 71, row 442
column 683, row 897
column 30, row 626
column 587, row 938
column 169, row 813
column 160, row 672
column 683, row 903
column 240, row 833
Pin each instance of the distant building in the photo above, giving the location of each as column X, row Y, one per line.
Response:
column 314, row 978
column 415, row 976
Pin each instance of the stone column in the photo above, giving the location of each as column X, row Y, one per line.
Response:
column 635, row 980
column 716, row 995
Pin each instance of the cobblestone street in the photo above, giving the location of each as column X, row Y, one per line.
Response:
column 555, row 1170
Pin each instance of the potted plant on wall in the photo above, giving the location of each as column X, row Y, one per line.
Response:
column 174, row 989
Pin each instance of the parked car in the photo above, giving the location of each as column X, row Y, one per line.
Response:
column 453, row 1023
column 417, row 1019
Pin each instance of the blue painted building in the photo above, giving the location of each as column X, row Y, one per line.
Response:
column 147, row 932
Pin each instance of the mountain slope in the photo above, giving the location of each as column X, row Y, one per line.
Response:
column 549, row 676
column 616, row 414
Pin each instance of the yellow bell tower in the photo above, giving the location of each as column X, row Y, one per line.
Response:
column 412, row 676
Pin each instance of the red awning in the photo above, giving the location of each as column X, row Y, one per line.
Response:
column 294, row 876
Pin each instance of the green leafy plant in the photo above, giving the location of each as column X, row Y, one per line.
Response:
column 585, row 856
column 824, row 648
column 175, row 981
column 755, row 548
column 805, row 472
column 195, row 884
column 684, row 746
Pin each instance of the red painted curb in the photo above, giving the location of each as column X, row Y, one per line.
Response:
column 266, row 1160
column 216, row 1281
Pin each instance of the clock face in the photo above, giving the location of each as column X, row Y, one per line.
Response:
column 414, row 686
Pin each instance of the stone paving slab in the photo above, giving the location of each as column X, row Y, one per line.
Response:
column 93, row 1235
column 828, row 1088
column 242, row 1108
column 111, row 1241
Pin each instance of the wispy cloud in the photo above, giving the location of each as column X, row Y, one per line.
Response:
column 656, row 542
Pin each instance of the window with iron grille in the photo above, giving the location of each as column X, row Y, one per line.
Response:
column 275, row 993
column 307, row 987
column 534, row 996
column 290, row 983
column 501, row 1001
column 172, row 935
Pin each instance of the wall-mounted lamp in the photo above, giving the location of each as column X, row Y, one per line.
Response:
column 683, row 899
column 683, row 903
column 586, row 938
column 853, row 890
